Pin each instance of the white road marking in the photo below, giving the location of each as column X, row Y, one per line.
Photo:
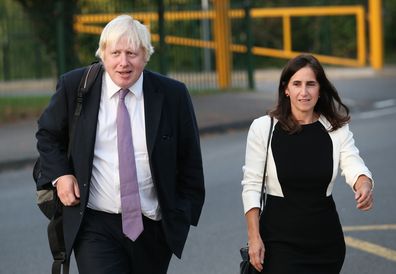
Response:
column 374, row 113
column 385, row 103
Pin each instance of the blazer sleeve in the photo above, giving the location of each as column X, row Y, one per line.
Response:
column 256, row 147
column 53, row 134
column 351, row 164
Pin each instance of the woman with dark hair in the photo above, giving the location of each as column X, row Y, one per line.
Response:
column 299, row 229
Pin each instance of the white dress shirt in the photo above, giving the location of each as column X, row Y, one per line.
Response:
column 104, row 193
column 345, row 156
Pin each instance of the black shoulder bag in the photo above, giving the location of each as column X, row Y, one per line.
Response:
column 245, row 266
column 47, row 198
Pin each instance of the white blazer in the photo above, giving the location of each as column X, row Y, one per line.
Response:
column 345, row 155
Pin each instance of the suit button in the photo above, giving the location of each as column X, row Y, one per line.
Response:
column 85, row 185
column 81, row 212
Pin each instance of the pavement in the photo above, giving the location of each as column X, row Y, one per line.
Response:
column 216, row 113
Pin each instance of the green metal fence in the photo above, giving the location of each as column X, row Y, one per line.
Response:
column 23, row 56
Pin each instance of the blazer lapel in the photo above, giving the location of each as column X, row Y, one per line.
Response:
column 153, row 99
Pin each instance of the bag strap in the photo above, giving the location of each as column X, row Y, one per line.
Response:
column 86, row 82
column 262, row 196
column 57, row 245
column 55, row 227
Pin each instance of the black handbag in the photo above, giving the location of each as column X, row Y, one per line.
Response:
column 245, row 266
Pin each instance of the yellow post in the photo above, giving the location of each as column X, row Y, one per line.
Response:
column 361, row 37
column 376, row 42
column 222, row 34
column 287, row 44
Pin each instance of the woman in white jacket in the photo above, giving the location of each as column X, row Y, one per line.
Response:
column 299, row 230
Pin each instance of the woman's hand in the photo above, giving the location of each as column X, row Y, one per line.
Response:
column 364, row 193
column 256, row 253
column 256, row 245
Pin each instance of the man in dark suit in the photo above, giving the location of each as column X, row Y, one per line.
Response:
column 166, row 159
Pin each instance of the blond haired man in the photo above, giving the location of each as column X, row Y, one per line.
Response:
column 166, row 159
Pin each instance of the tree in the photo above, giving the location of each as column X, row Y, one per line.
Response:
column 51, row 18
column 389, row 12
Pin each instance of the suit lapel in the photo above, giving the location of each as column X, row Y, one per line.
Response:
column 153, row 99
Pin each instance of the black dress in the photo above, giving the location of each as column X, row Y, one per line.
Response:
column 301, row 231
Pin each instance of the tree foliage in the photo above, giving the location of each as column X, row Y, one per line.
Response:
column 389, row 16
column 45, row 16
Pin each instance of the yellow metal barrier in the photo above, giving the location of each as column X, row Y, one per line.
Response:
column 222, row 41
column 287, row 13
column 376, row 39
column 222, row 36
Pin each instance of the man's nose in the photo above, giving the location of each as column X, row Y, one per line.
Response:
column 124, row 59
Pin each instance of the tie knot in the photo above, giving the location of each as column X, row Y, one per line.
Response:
column 123, row 93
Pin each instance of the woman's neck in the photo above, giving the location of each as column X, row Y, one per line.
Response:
column 306, row 118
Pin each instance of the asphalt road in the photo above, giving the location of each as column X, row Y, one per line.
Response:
column 213, row 246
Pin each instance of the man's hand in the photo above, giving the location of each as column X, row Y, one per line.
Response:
column 68, row 191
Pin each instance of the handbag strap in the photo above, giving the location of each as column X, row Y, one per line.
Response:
column 265, row 166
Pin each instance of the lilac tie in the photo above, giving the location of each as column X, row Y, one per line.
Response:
column 132, row 224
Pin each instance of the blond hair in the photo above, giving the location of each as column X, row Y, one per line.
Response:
column 124, row 26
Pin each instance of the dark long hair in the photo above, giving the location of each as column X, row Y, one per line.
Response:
column 329, row 103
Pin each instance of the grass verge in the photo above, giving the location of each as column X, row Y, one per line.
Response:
column 14, row 108
column 20, row 107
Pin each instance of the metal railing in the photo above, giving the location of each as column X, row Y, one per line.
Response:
column 221, row 16
column 211, row 46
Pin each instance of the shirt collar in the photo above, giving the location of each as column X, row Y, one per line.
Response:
column 112, row 88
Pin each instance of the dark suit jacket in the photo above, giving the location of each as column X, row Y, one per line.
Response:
column 172, row 143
